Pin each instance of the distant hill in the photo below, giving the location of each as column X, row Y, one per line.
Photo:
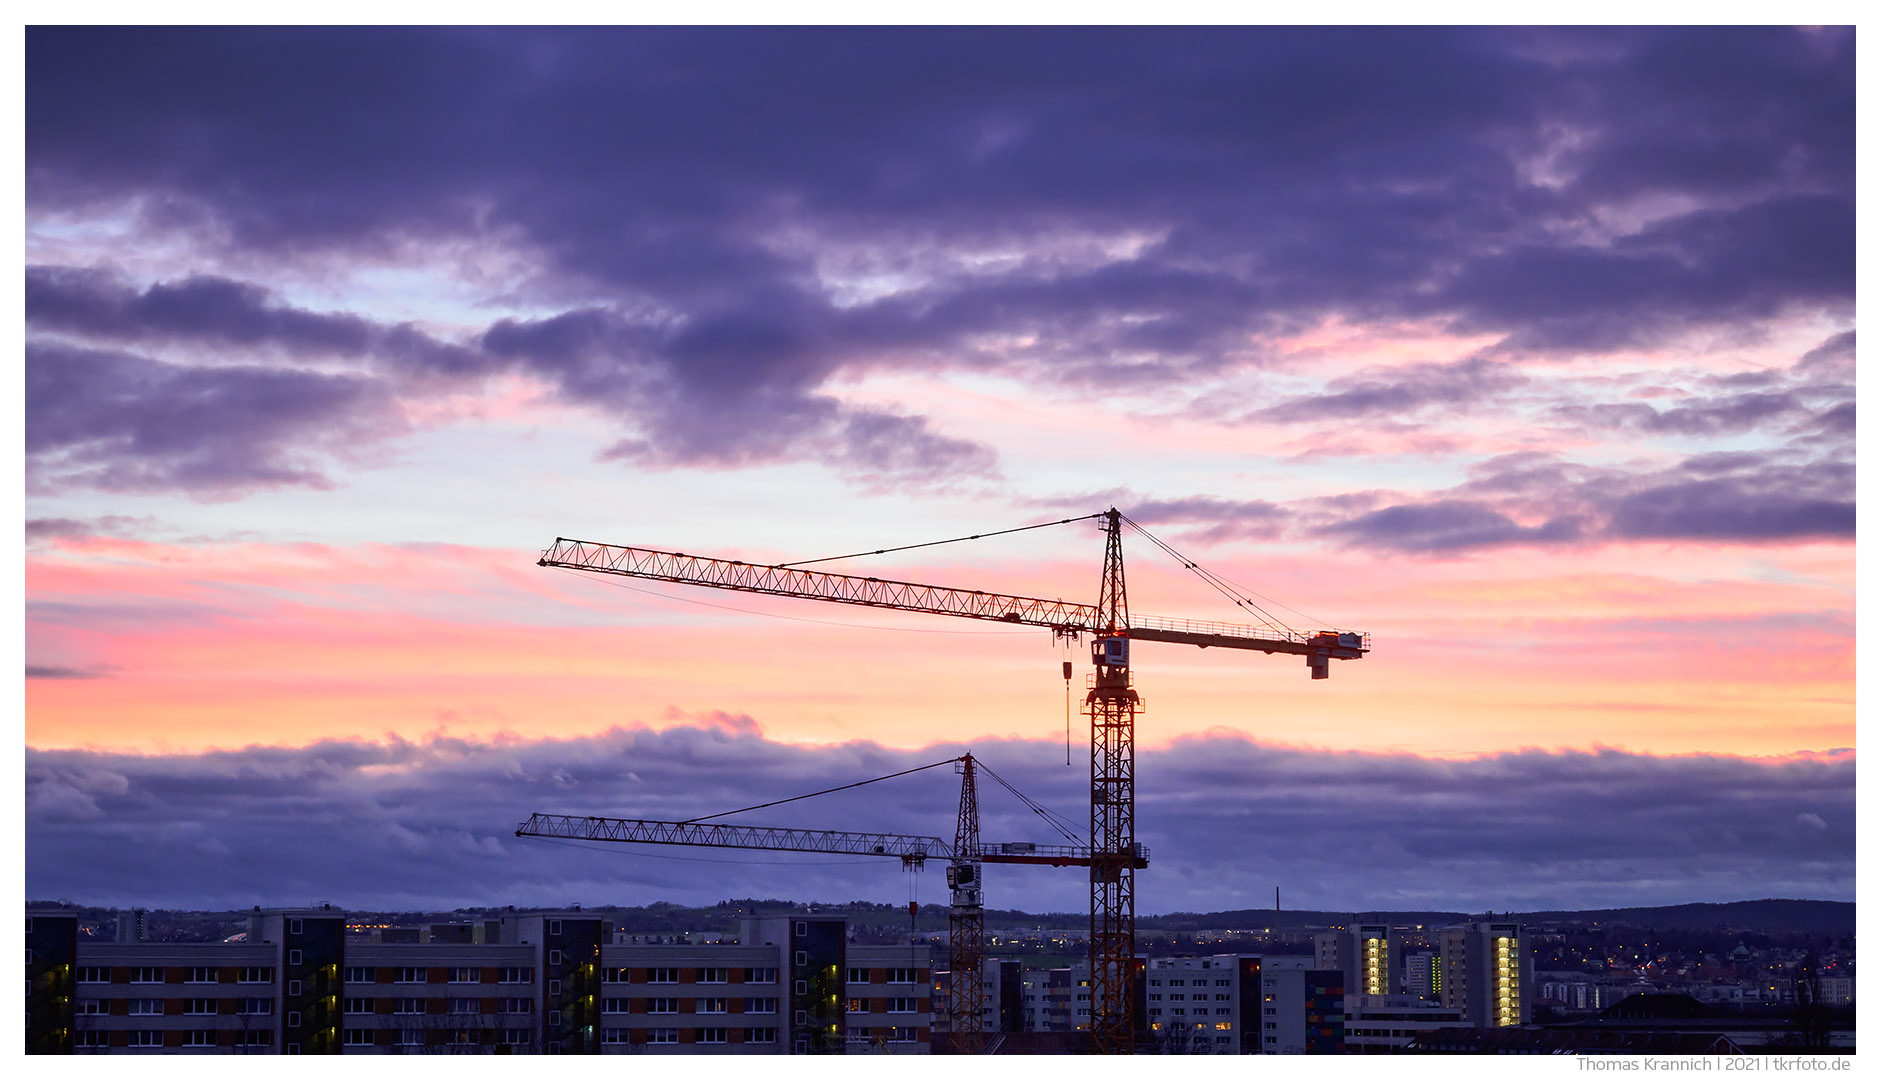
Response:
column 1762, row 916
column 1799, row 916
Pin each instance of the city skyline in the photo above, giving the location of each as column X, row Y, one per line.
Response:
column 1529, row 352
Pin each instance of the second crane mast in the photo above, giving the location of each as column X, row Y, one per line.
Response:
column 1112, row 703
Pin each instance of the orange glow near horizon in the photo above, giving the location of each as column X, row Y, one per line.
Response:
column 193, row 648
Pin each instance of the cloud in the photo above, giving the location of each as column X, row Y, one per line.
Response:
column 978, row 178
column 220, row 312
column 429, row 824
column 121, row 422
column 1395, row 392
column 53, row 671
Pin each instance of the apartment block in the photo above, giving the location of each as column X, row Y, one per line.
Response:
column 1363, row 954
column 533, row 983
column 1487, row 972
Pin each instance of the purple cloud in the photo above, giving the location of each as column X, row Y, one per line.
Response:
column 429, row 824
column 121, row 422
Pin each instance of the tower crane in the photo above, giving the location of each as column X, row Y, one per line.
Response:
column 966, row 918
column 1112, row 702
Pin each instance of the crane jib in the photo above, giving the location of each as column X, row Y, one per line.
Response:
column 822, row 841
column 680, row 568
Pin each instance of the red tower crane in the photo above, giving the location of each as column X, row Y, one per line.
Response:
column 1112, row 703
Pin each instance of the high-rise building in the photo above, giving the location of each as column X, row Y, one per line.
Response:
column 1363, row 954
column 1488, row 972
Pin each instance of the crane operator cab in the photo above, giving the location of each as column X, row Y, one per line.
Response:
column 1111, row 652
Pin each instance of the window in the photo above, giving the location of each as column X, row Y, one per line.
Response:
column 358, row 974
column 799, row 1018
column 199, row 1007
column 859, row 975
column 1224, row 1012
column 662, row 975
column 146, row 1038
column 1155, row 997
column 710, row 1035
column 518, row 975
column 555, row 928
column 614, row 1005
column 1222, row 982
column 256, row 1007
column 711, row 975
column 662, row 1005
column 1175, row 982
column 663, row 1035
column 615, row 975
column 902, row 1005
column 467, row 975
column 199, row 1038
column 760, row 975
column 409, row 975
column 409, row 1006
column 902, row 975
column 555, row 958
column 555, row 988
column 293, row 958
column 555, row 1019
column 411, row 1037
column 613, row 1035
column 519, row 1005
column 293, row 1019
column 94, row 974
column 146, row 974
column 710, row 1005
column 516, row 1036
column 760, row 1005
column 1222, row 997
column 90, row 1040
column 356, row 1006
column 802, row 958
column 257, row 1038
column 802, row 987
column 760, row 1035
column 293, row 988
column 256, row 975
column 94, row 1007
column 200, row 975
column 803, row 929
column 293, row 1048
column 355, row 1037
column 902, row 1034
column 293, row 926
column 1175, row 997
column 464, row 1007
column 146, row 1007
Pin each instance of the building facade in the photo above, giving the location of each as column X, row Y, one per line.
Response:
column 533, row 983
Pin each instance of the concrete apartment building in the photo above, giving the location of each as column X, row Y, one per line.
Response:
column 1364, row 954
column 1488, row 972
column 542, row 982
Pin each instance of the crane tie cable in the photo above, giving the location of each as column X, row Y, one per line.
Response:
column 1034, row 805
column 933, row 543
column 825, row 791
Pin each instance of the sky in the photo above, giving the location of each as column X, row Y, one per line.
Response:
column 1528, row 352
